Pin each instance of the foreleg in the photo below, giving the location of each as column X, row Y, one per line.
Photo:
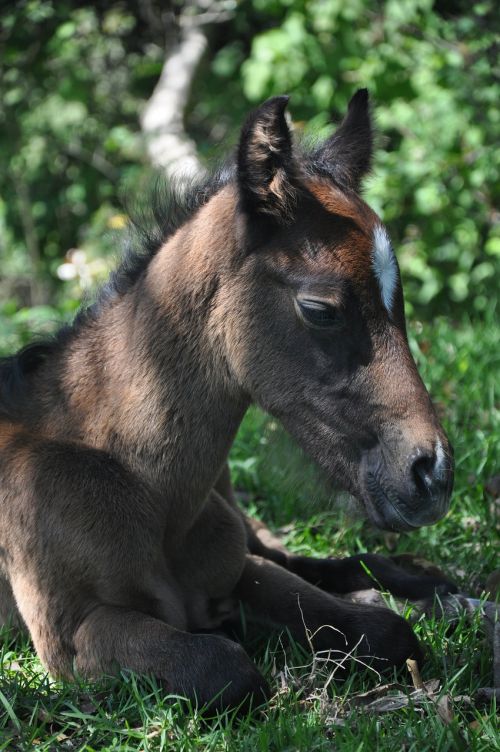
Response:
column 346, row 575
column 340, row 576
column 316, row 618
column 200, row 667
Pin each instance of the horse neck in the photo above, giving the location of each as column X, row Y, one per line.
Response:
column 150, row 382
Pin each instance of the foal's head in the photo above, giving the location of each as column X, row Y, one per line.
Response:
column 315, row 323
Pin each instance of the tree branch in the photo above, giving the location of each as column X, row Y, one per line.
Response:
column 169, row 147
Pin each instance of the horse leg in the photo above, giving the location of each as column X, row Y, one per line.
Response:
column 336, row 575
column 260, row 540
column 107, row 638
column 86, row 565
column 346, row 575
column 368, row 571
column 200, row 667
column 9, row 614
column 318, row 619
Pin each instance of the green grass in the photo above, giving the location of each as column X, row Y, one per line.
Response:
column 309, row 712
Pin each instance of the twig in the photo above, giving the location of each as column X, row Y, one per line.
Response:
column 415, row 673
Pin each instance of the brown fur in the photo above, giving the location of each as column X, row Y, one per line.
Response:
column 119, row 534
column 341, row 204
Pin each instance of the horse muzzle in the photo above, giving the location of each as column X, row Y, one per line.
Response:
column 417, row 495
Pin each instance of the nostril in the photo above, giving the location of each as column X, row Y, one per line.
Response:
column 422, row 472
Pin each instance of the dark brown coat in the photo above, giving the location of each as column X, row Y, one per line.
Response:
column 119, row 535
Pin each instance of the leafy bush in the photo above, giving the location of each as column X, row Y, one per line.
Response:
column 75, row 77
column 430, row 68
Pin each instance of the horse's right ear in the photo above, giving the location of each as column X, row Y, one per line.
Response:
column 266, row 166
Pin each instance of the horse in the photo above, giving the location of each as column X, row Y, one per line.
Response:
column 121, row 545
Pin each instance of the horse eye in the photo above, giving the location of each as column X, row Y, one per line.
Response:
column 318, row 315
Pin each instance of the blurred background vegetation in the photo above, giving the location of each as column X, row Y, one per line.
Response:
column 75, row 77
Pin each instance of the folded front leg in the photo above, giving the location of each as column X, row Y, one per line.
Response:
column 367, row 571
column 93, row 583
column 276, row 595
column 200, row 667
column 345, row 575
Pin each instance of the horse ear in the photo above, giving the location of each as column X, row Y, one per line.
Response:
column 347, row 155
column 266, row 165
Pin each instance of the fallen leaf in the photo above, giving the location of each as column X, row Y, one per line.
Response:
column 463, row 699
column 388, row 704
column 432, row 686
column 13, row 666
column 364, row 698
column 152, row 734
column 286, row 529
column 445, row 709
column 470, row 523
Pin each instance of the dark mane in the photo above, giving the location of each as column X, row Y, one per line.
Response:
column 168, row 208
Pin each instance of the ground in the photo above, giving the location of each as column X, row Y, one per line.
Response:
column 310, row 709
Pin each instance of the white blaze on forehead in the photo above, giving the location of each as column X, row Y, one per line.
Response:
column 384, row 265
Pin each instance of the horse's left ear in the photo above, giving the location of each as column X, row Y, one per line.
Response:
column 347, row 155
column 266, row 165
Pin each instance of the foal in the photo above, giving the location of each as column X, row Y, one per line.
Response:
column 119, row 535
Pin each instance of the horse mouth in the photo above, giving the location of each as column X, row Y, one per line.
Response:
column 382, row 510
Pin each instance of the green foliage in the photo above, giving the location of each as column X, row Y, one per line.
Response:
column 430, row 69
column 70, row 79
column 75, row 76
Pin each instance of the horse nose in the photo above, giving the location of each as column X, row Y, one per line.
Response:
column 413, row 492
column 428, row 473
